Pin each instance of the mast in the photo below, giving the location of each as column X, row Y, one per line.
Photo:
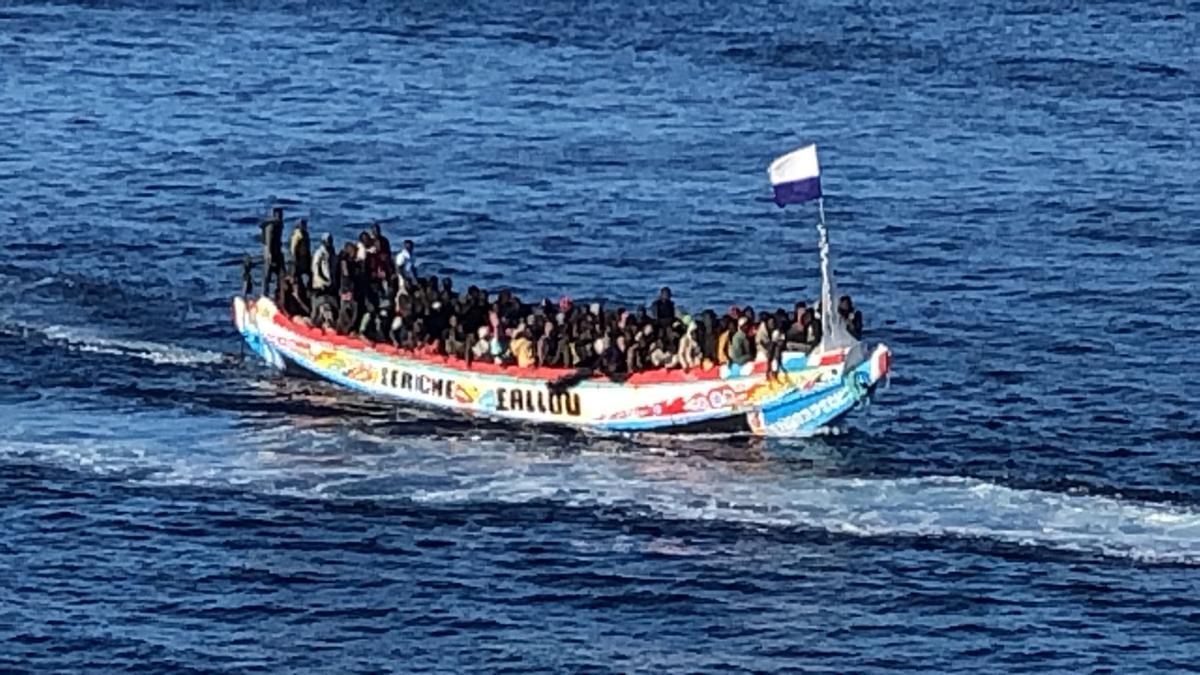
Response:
column 828, row 311
column 834, row 334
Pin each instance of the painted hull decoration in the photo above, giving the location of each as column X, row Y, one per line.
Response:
column 812, row 392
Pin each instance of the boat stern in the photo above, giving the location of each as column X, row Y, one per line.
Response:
column 246, row 316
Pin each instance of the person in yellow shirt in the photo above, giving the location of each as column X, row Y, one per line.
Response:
column 522, row 349
column 301, row 252
column 726, row 333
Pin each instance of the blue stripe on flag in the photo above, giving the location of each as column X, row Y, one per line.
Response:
column 798, row 191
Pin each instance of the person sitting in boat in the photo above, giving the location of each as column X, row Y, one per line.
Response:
column 324, row 312
column 522, row 348
column 662, row 357
column 454, row 340
column 795, row 330
column 447, row 294
column 852, row 317
column 636, row 348
column 292, row 300
column 482, row 350
column 347, row 319
column 689, row 354
column 615, row 358
column 740, row 351
column 805, row 332
column 547, row 352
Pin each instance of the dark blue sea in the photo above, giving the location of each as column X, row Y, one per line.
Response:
column 1012, row 190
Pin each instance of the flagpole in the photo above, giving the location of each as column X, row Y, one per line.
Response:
column 827, row 309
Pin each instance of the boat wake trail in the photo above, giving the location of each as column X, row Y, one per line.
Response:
column 340, row 464
column 924, row 507
column 81, row 340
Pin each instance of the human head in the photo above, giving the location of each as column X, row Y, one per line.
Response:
column 665, row 293
column 375, row 229
column 303, row 225
column 408, row 245
column 327, row 239
column 277, row 214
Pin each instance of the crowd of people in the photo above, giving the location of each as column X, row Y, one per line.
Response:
column 365, row 290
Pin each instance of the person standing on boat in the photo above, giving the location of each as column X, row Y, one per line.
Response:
column 348, row 314
column 383, row 269
column 322, row 267
column 406, row 265
column 247, row 275
column 301, row 250
column 272, row 241
column 664, row 308
column 724, row 337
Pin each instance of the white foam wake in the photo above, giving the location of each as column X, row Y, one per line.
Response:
column 916, row 507
column 321, row 461
column 160, row 354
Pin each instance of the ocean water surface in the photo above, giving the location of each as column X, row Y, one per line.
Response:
column 1013, row 196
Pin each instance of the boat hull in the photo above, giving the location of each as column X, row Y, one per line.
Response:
column 811, row 393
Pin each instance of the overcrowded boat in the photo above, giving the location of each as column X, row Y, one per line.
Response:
column 367, row 321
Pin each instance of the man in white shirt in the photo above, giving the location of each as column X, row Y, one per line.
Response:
column 406, row 264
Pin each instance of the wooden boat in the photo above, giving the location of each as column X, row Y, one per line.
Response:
column 810, row 392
